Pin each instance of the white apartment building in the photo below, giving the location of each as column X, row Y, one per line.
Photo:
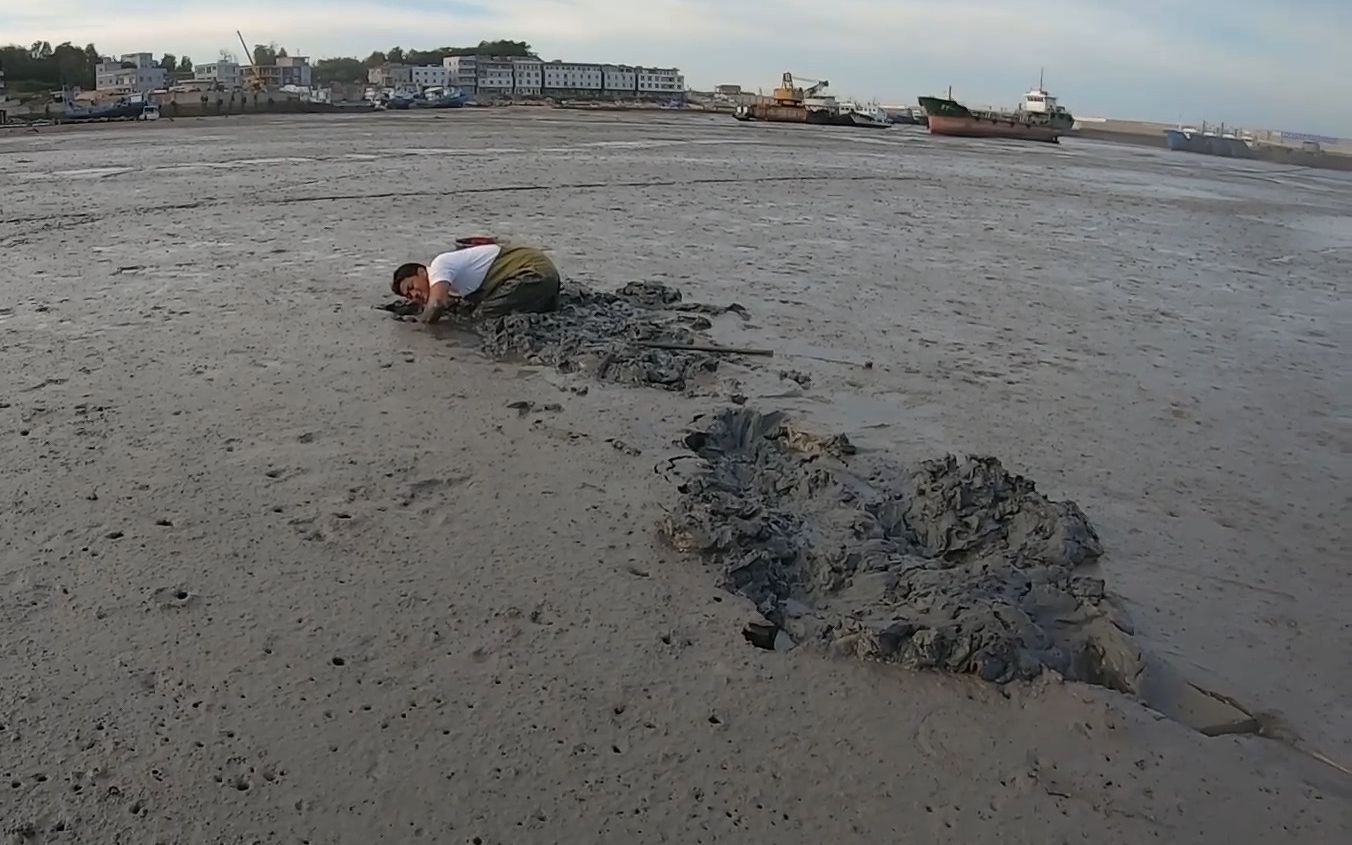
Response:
column 496, row 77
column 619, row 78
column 430, row 76
column 566, row 76
column 225, row 74
column 655, row 80
column 113, row 75
column 528, row 77
column 463, row 73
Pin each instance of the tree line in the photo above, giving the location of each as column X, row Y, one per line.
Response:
column 44, row 67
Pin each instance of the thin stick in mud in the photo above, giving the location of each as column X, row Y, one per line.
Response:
column 724, row 350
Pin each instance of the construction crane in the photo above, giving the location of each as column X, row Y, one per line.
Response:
column 256, row 79
column 789, row 93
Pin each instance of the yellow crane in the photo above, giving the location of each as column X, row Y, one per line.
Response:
column 255, row 78
column 790, row 94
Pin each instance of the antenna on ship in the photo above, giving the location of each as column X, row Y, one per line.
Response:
column 1040, row 73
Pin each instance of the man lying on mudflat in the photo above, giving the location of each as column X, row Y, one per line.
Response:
column 486, row 280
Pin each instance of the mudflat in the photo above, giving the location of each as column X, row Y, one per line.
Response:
column 277, row 567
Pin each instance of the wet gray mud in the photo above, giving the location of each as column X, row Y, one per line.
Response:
column 608, row 336
column 948, row 564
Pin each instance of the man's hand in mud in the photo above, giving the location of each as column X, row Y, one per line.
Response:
column 438, row 303
column 432, row 312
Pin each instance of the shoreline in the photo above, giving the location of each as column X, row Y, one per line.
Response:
column 1278, row 156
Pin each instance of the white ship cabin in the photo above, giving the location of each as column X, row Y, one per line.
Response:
column 1038, row 100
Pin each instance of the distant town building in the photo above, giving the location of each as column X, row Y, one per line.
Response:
column 527, row 77
column 617, row 78
column 571, row 78
column 289, row 70
column 390, row 76
column 227, row 75
column 728, row 90
column 129, row 73
column 498, row 77
column 655, row 80
column 463, row 73
column 430, row 76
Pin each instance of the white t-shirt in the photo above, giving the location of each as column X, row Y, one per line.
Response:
column 464, row 269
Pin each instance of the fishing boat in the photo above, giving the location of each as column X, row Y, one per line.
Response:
column 1037, row 118
column 127, row 108
column 870, row 116
column 438, row 98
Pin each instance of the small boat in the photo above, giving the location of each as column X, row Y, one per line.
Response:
column 438, row 98
column 124, row 109
column 871, row 116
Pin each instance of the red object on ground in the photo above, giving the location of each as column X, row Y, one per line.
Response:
column 475, row 240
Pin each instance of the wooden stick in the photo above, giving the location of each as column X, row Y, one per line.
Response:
column 691, row 347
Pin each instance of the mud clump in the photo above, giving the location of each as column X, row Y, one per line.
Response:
column 606, row 335
column 945, row 564
column 948, row 564
column 609, row 336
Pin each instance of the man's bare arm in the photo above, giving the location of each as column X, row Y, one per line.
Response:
column 439, row 299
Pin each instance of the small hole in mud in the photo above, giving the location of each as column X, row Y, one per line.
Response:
column 338, row 661
column 666, row 639
column 181, row 595
column 762, row 635
column 714, row 720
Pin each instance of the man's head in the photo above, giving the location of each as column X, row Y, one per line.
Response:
column 410, row 282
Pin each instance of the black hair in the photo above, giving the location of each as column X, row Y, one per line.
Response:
column 403, row 272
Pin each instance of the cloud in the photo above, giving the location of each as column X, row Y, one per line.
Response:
column 1261, row 63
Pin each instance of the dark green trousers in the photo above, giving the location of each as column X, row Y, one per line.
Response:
column 522, row 279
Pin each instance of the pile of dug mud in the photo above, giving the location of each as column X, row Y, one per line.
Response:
column 943, row 564
column 609, row 336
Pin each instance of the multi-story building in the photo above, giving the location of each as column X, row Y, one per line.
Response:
column 430, row 76
column 483, row 76
column 656, row 80
column 391, row 76
column 463, row 73
column 138, row 59
column 528, row 77
column 570, row 78
column 619, row 79
column 132, row 73
column 226, row 75
column 496, row 77
column 294, row 70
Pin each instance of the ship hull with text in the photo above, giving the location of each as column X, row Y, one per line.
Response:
column 1037, row 118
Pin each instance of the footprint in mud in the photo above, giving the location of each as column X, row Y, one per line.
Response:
column 427, row 488
column 174, row 598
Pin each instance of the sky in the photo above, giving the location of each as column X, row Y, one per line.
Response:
column 1260, row 64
